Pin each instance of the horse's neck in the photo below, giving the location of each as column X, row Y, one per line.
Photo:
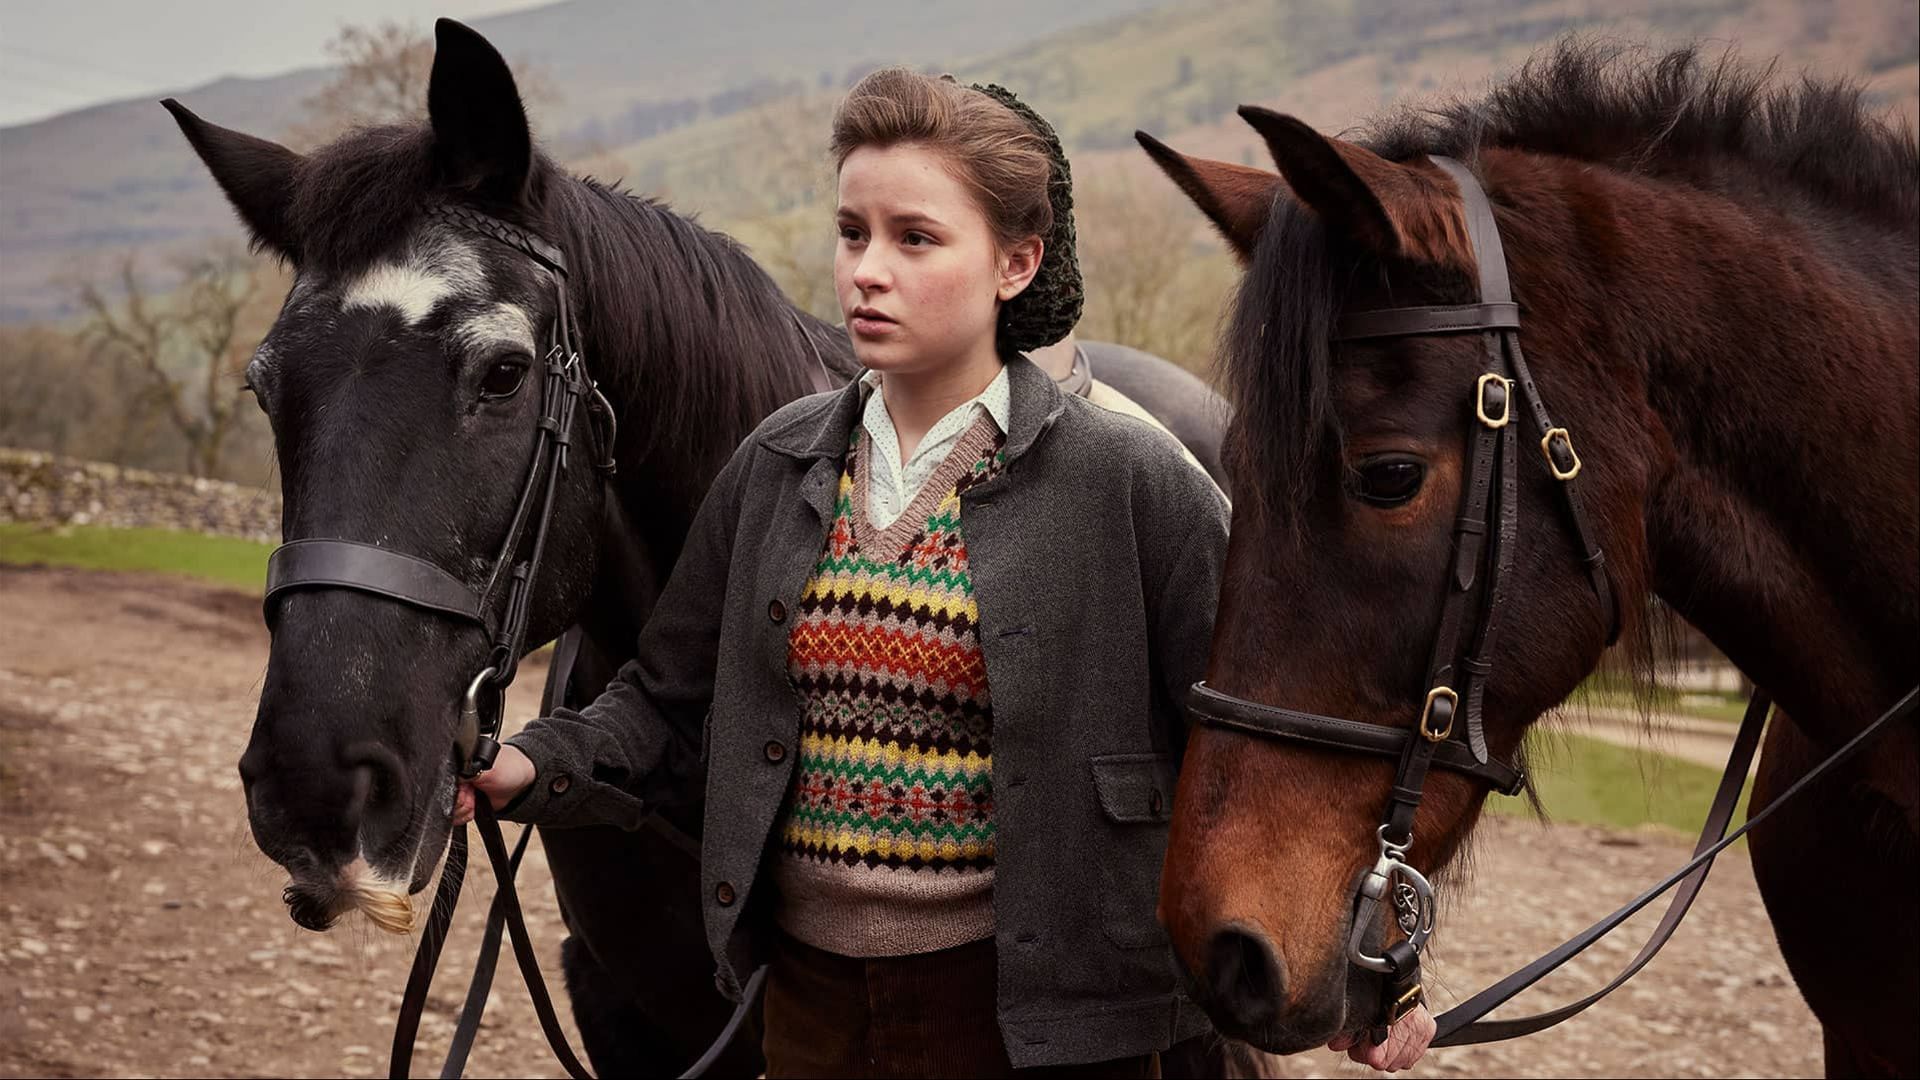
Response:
column 659, row 483
column 1781, row 499
column 628, row 577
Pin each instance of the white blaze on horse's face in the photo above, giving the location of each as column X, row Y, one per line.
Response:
column 500, row 327
column 437, row 267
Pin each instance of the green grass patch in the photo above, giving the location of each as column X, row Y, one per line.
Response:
column 222, row 560
column 1591, row 782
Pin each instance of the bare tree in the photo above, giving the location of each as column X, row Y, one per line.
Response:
column 785, row 193
column 1154, row 280
column 187, row 346
column 382, row 79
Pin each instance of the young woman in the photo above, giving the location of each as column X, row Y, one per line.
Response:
column 928, row 639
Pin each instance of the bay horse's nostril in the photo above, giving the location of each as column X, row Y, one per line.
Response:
column 1245, row 978
column 379, row 804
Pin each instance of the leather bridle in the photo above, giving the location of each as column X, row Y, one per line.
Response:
column 1449, row 733
column 338, row 563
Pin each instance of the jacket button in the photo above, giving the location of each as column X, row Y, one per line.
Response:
column 723, row 893
column 1153, row 801
column 776, row 751
column 777, row 611
column 560, row 784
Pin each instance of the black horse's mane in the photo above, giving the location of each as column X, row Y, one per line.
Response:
column 670, row 310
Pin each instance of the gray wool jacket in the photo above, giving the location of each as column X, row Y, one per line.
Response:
column 1096, row 559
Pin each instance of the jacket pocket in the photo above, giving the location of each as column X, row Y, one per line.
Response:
column 1136, row 799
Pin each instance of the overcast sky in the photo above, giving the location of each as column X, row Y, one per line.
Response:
column 57, row 55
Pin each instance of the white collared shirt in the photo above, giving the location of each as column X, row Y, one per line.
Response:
column 892, row 484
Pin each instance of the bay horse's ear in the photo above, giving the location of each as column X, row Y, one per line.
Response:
column 1335, row 178
column 479, row 126
column 1237, row 199
column 257, row 176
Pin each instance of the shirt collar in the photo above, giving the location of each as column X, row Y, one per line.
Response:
column 997, row 398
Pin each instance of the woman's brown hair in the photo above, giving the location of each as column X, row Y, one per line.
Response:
column 991, row 149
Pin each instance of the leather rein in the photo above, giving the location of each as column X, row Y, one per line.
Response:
column 1449, row 733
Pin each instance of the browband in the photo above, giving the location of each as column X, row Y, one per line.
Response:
column 1410, row 321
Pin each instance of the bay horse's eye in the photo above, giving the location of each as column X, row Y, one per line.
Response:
column 1389, row 481
column 503, row 379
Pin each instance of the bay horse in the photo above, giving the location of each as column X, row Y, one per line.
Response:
column 1716, row 280
column 396, row 381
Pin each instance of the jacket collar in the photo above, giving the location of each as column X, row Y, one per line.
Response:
column 821, row 429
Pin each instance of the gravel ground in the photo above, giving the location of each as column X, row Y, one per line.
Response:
column 141, row 934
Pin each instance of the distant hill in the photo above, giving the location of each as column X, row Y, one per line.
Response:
column 102, row 179
column 685, row 97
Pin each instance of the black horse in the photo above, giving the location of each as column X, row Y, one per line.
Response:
column 396, row 383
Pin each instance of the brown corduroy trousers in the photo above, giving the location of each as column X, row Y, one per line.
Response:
column 921, row 1016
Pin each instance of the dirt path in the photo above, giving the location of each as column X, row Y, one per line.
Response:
column 1703, row 742
column 141, row 934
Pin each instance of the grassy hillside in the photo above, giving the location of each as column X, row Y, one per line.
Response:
column 1180, row 70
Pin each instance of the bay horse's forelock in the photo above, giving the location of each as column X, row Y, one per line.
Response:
column 1735, row 352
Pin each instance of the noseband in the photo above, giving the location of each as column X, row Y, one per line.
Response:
column 1448, row 733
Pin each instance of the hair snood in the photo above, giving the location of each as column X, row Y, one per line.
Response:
column 1049, row 308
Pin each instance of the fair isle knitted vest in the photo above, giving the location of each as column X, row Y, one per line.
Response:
column 886, row 841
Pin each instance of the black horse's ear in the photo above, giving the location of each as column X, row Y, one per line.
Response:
column 1322, row 173
column 257, row 175
column 479, row 126
column 1236, row 198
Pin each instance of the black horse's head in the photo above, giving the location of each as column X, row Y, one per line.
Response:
column 403, row 383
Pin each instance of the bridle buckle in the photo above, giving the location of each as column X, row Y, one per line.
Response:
column 1565, row 443
column 1441, row 703
column 1405, row 1003
column 1494, row 409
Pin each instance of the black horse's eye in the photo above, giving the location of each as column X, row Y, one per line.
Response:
column 1389, row 481
column 503, row 379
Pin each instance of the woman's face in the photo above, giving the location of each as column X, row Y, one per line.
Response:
column 919, row 276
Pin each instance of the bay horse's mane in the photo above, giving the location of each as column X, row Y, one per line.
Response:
column 1718, row 126
column 1677, row 116
column 670, row 310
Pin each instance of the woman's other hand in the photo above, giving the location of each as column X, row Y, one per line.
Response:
column 1406, row 1041
column 512, row 773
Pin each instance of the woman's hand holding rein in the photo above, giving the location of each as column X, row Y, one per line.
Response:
column 512, row 773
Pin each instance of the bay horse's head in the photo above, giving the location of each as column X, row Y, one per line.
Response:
column 404, row 384
column 1352, row 456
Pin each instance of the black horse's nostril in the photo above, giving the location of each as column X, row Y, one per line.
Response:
column 1245, row 978
column 253, row 765
column 379, row 805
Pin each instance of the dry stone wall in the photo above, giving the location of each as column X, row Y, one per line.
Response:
column 43, row 489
